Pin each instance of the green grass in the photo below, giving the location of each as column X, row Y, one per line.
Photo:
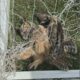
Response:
column 24, row 8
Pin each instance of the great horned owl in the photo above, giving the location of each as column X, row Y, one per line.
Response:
column 60, row 49
column 49, row 44
column 39, row 48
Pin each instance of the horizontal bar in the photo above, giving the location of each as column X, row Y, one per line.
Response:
column 45, row 74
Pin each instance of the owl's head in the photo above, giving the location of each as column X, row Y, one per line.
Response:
column 43, row 19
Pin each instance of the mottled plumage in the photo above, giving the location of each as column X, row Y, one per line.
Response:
column 49, row 44
column 39, row 48
column 60, row 50
column 26, row 29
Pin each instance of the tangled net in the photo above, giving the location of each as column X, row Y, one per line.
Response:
column 67, row 25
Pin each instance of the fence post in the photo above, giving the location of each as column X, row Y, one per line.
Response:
column 4, row 20
column 4, row 23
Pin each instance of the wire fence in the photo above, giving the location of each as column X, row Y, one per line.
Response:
column 68, row 11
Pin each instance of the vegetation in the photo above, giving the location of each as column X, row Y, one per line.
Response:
column 71, row 18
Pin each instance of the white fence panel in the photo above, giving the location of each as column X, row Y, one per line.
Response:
column 4, row 18
column 45, row 74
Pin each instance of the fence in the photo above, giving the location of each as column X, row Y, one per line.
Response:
column 4, row 13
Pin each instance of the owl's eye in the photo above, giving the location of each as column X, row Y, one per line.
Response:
column 61, row 21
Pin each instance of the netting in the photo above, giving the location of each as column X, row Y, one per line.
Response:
column 23, row 14
column 68, row 12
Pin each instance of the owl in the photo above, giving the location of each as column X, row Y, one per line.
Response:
column 49, row 44
column 39, row 48
column 61, row 50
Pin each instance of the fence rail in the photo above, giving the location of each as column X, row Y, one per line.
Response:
column 45, row 74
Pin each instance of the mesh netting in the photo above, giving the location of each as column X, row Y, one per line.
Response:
column 64, row 13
